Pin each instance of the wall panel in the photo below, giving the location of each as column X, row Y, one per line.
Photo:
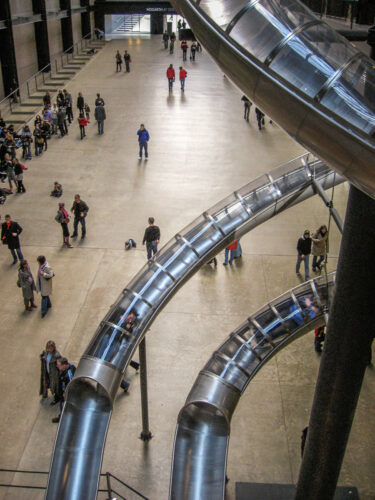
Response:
column 25, row 48
column 54, row 37
column 76, row 26
column 1, row 85
column 21, row 7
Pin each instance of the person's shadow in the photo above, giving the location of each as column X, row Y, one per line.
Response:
column 170, row 100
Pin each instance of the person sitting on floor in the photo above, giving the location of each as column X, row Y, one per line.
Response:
column 57, row 190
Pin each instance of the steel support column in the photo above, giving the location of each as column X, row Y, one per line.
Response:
column 41, row 34
column 85, row 18
column 7, row 52
column 328, row 203
column 145, row 434
column 346, row 353
column 66, row 25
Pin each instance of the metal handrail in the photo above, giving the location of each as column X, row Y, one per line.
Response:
column 108, row 475
column 47, row 68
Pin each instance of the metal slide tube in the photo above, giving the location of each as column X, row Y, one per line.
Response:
column 112, row 348
column 203, row 428
column 300, row 72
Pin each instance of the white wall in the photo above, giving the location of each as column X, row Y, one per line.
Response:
column 25, row 48
column 52, row 5
column 76, row 27
column 54, row 37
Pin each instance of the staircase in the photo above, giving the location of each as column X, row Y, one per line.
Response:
column 128, row 24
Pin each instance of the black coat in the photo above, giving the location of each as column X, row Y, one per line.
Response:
column 80, row 102
column 13, row 242
column 304, row 246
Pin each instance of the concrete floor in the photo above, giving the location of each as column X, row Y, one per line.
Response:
column 201, row 149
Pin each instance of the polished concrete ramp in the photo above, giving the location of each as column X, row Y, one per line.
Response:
column 203, row 428
column 107, row 356
column 245, row 491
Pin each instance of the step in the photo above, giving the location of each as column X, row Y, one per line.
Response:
column 75, row 63
column 58, row 78
column 21, row 111
column 82, row 58
column 52, row 84
column 28, row 104
column 18, row 118
column 37, row 97
column 68, row 72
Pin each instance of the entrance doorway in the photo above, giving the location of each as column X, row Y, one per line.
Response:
column 117, row 26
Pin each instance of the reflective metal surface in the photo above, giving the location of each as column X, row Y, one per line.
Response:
column 112, row 346
column 300, row 72
column 203, row 428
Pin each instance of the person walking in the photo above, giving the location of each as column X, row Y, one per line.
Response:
column 11, row 175
column 60, row 122
column 69, row 110
column 26, row 282
column 100, row 116
column 260, row 118
column 143, row 138
column 304, row 250
column 184, row 48
column 18, row 171
column 80, row 209
column 127, row 60
column 38, row 139
column 10, row 231
column 165, row 39
column 193, row 50
column 230, row 248
column 171, row 46
column 183, row 75
column 49, row 373
column 44, row 283
column 82, row 121
column 62, row 217
column 87, row 111
column 171, row 77
column 151, row 238
column 80, row 102
column 319, row 247
column 247, row 105
column 66, row 374
column 118, row 61
column 99, row 101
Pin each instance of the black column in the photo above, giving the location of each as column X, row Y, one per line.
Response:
column 346, row 353
column 66, row 25
column 7, row 52
column 85, row 18
column 156, row 23
column 99, row 19
column 41, row 35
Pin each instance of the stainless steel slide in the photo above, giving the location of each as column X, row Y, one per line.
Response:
column 82, row 431
column 203, row 428
column 310, row 80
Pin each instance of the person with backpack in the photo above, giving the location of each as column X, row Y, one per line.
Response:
column 62, row 217
column 44, row 283
column 183, row 75
column 184, row 48
column 118, row 61
column 66, row 374
column 260, row 118
column 247, row 105
column 193, row 50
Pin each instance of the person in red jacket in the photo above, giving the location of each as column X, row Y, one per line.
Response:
column 183, row 75
column 230, row 248
column 170, row 76
column 82, row 124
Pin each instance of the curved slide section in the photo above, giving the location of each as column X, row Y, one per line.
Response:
column 203, row 428
column 300, row 72
column 77, row 455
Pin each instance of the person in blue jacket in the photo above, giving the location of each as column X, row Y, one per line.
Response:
column 143, row 138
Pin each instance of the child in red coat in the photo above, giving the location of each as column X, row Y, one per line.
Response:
column 82, row 124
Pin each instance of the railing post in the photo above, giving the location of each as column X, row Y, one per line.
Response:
column 36, row 83
column 28, row 89
column 145, row 434
column 109, row 488
column 56, row 65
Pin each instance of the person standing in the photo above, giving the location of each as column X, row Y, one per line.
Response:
column 49, row 374
column 171, row 46
column 38, row 139
column 100, row 116
column 127, row 60
column 80, row 102
column 193, row 50
column 44, row 283
column 247, row 105
column 99, row 101
column 171, row 77
column 230, row 248
column 82, row 121
column 27, row 139
column 151, row 238
column 10, row 231
column 143, row 138
column 60, row 123
column 165, row 39
column 184, row 48
column 69, row 110
column 26, row 282
column 62, row 217
column 260, row 118
column 80, row 210
column 319, row 247
column 304, row 250
column 183, row 75
column 18, row 171
column 66, row 374
column 87, row 111
column 118, row 61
